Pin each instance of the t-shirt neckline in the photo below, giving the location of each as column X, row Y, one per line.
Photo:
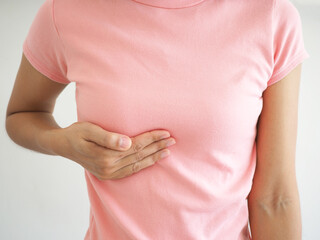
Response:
column 169, row 3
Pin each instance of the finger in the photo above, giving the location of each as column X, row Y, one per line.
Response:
column 145, row 152
column 139, row 165
column 106, row 138
column 141, row 141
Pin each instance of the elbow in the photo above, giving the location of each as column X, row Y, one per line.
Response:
column 275, row 200
column 274, row 204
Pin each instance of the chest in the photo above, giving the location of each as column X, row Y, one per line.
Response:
column 188, row 72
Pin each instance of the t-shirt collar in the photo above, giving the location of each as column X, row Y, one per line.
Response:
column 169, row 3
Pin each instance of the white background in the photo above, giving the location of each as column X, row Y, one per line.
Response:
column 45, row 197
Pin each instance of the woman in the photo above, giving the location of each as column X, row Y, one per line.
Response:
column 203, row 73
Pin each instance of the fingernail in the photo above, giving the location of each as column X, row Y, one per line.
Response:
column 124, row 142
column 171, row 142
column 164, row 154
column 165, row 135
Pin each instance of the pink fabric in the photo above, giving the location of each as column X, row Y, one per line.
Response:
column 195, row 68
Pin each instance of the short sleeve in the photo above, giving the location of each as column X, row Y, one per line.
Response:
column 288, row 43
column 43, row 46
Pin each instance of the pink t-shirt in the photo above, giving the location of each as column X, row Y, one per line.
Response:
column 196, row 68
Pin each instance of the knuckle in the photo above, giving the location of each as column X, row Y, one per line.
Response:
column 111, row 138
column 161, row 144
column 139, row 156
column 155, row 157
column 105, row 140
column 135, row 167
column 152, row 136
column 137, row 147
column 127, row 174
column 121, row 155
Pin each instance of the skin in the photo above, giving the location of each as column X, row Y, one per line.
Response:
column 274, row 207
column 274, row 210
column 30, row 124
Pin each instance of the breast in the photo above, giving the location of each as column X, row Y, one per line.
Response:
column 201, row 88
column 201, row 109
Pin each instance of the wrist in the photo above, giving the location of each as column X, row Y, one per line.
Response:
column 50, row 141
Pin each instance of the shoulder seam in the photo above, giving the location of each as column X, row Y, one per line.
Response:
column 53, row 18
column 272, row 27
column 58, row 33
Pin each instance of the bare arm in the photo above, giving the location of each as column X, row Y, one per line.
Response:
column 274, row 208
column 30, row 108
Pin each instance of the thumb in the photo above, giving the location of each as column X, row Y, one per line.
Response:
column 107, row 139
column 123, row 142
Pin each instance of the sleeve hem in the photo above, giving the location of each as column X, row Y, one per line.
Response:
column 41, row 68
column 289, row 67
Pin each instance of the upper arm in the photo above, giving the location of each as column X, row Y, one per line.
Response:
column 33, row 91
column 42, row 74
column 276, row 139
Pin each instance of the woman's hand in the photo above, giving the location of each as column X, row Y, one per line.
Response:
column 100, row 152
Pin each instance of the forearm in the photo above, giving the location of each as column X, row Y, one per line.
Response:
column 275, row 218
column 32, row 130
